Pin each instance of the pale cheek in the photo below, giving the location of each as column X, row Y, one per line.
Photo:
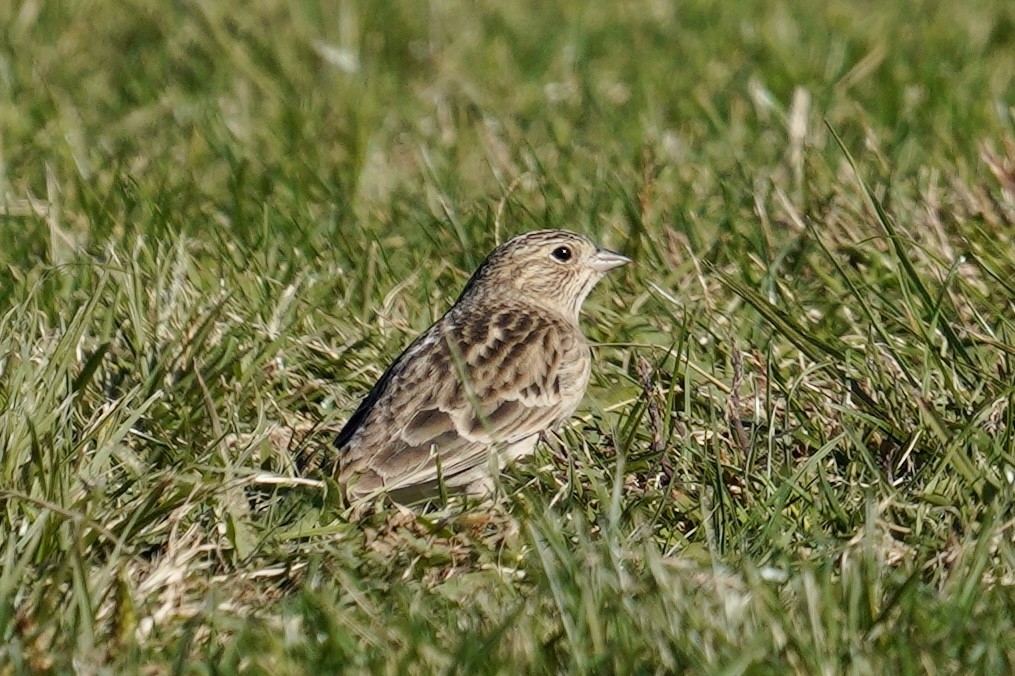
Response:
column 554, row 284
column 537, row 282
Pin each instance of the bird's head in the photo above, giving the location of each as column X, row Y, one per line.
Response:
column 554, row 269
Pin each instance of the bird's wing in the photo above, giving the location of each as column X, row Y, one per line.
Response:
column 466, row 387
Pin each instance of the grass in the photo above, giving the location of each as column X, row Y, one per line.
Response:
column 220, row 221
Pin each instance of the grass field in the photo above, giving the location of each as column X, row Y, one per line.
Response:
column 220, row 221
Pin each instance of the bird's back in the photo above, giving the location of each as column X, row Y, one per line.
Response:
column 481, row 384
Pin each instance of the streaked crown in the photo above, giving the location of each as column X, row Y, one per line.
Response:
column 553, row 269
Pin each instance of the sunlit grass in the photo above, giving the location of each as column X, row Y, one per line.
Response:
column 219, row 223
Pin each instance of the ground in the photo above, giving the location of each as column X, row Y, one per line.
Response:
column 219, row 222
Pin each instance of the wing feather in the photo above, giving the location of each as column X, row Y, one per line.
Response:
column 468, row 386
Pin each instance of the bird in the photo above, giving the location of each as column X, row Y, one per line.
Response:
column 506, row 363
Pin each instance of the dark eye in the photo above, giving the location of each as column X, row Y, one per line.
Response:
column 562, row 254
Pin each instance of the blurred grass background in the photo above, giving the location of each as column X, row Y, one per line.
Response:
column 220, row 221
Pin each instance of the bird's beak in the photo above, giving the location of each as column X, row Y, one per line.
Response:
column 605, row 260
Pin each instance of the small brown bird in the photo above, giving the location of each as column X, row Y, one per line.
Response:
column 506, row 362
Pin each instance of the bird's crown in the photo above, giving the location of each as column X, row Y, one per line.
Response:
column 553, row 269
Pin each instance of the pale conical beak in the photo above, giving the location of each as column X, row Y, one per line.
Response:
column 605, row 260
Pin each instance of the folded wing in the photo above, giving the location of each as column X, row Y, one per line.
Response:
column 466, row 388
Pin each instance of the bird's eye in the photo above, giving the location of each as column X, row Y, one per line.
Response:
column 562, row 254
